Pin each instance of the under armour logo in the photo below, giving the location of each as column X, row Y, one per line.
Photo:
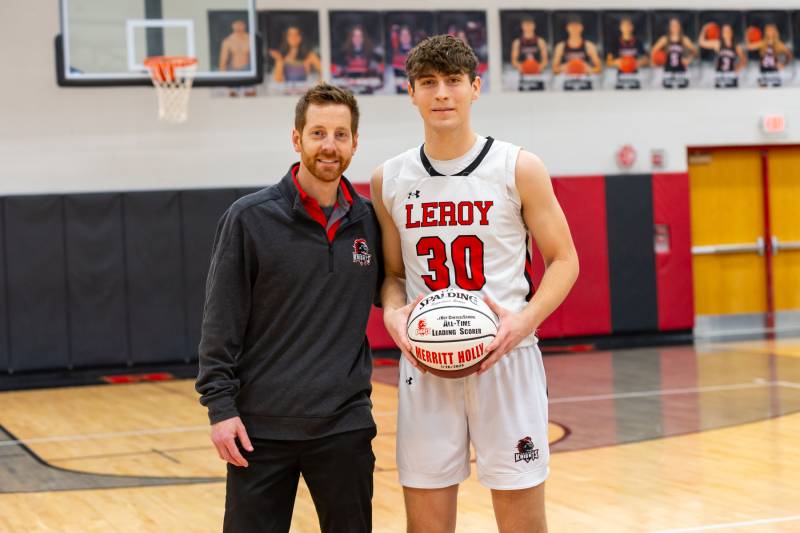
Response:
column 414, row 194
column 409, row 381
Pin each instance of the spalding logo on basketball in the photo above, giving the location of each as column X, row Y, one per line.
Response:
column 449, row 331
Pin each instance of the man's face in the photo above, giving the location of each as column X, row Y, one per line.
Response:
column 444, row 100
column 238, row 26
column 326, row 145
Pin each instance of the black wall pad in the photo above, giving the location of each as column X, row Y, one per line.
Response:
column 154, row 264
column 631, row 258
column 37, row 295
column 245, row 191
column 5, row 360
column 201, row 210
column 96, row 279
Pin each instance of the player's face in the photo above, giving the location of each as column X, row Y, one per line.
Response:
column 238, row 26
column 293, row 37
column 528, row 27
column 575, row 29
column 326, row 145
column 444, row 100
column 358, row 37
column 727, row 32
column 626, row 27
column 405, row 36
column 771, row 32
column 675, row 27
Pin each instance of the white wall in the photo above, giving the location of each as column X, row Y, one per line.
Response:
column 69, row 140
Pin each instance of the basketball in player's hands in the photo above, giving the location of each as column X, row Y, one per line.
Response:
column 712, row 31
column 627, row 64
column 576, row 67
column 753, row 34
column 660, row 58
column 530, row 66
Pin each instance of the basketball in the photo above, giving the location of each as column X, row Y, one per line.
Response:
column 449, row 331
column 712, row 31
column 576, row 66
column 627, row 64
column 660, row 58
column 753, row 34
column 530, row 66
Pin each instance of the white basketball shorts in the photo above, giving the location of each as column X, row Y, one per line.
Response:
column 503, row 413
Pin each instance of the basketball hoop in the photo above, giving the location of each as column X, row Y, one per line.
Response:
column 172, row 77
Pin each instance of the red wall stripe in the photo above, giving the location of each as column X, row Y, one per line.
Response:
column 674, row 268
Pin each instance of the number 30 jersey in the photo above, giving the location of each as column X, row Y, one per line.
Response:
column 464, row 230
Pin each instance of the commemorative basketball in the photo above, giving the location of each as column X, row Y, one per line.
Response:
column 449, row 331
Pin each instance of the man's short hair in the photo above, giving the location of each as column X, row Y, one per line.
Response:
column 326, row 94
column 443, row 54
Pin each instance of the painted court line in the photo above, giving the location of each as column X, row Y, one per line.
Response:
column 732, row 524
column 565, row 399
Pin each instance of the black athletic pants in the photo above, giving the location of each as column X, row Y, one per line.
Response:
column 337, row 469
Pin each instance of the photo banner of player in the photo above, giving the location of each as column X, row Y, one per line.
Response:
column 674, row 53
column 577, row 64
column 470, row 27
column 769, row 45
column 525, row 37
column 357, row 50
column 404, row 30
column 291, row 50
column 722, row 51
column 627, row 62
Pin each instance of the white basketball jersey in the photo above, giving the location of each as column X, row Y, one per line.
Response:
column 464, row 230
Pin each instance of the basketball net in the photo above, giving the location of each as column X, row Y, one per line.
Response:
column 172, row 77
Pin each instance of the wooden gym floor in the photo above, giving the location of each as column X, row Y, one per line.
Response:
column 644, row 440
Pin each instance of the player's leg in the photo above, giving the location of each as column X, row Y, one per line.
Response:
column 338, row 471
column 431, row 510
column 507, row 409
column 520, row 511
column 261, row 496
column 432, row 448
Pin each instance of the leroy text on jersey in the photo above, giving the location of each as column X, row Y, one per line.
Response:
column 430, row 214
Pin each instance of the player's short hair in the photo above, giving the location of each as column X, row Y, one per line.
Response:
column 443, row 54
column 326, row 94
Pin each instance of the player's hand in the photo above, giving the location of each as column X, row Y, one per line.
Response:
column 396, row 322
column 686, row 61
column 224, row 434
column 514, row 327
column 276, row 55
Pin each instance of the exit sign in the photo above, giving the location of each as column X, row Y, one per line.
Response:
column 773, row 124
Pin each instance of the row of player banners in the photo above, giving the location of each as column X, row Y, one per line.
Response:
column 543, row 50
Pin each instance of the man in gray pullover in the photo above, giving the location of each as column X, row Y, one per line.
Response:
column 284, row 360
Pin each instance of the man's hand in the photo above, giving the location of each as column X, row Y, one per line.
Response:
column 396, row 322
column 514, row 327
column 224, row 434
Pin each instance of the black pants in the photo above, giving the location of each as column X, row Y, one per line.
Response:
column 337, row 469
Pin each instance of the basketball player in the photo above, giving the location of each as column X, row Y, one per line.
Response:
column 627, row 46
column 402, row 43
column 774, row 56
column 456, row 212
column 284, row 361
column 730, row 56
column 529, row 55
column 573, row 56
column 680, row 53
column 235, row 51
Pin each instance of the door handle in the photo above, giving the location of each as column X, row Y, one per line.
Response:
column 777, row 245
column 737, row 248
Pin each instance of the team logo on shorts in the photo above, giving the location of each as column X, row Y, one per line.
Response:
column 422, row 328
column 361, row 255
column 526, row 451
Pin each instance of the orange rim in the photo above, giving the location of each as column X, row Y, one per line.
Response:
column 162, row 68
